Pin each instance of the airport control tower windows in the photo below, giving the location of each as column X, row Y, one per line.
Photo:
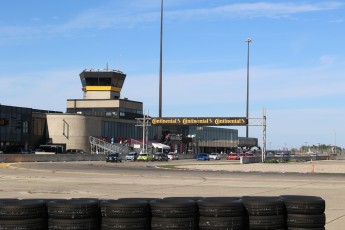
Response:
column 118, row 82
column 98, row 81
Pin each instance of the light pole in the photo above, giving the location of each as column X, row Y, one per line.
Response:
column 248, row 40
column 161, row 63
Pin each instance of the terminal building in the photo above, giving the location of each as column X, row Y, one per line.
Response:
column 104, row 114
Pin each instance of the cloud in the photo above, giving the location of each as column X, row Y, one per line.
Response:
column 253, row 10
column 137, row 13
column 267, row 84
column 42, row 90
column 327, row 60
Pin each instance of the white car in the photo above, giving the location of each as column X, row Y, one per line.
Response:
column 172, row 156
column 214, row 156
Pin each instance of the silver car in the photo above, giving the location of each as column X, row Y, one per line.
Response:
column 132, row 156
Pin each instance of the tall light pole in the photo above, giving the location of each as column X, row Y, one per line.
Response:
column 248, row 40
column 160, row 63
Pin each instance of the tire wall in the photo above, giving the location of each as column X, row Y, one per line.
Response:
column 194, row 213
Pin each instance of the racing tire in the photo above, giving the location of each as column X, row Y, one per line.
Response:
column 158, row 223
column 306, row 221
column 305, row 228
column 125, row 208
column 173, row 208
column 28, row 224
column 266, row 222
column 22, row 209
column 220, row 223
column 263, row 206
column 303, row 204
column 73, row 224
column 220, row 207
column 195, row 198
column 125, row 223
column 73, row 209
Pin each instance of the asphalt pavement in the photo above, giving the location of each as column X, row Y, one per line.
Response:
column 50, row 180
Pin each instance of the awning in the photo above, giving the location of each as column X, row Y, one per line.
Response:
column 160, row 145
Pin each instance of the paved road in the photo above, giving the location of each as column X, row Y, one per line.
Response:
column 139, row 179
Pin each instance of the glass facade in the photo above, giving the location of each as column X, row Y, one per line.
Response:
column 21, row 128
column 15, row 131
column 124, row 113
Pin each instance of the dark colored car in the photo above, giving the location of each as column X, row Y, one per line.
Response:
column 113, row 157
column 75, row 151
column 160, row 157
column 202, row 157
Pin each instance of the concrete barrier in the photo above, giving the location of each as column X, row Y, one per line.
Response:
column 9, row 158
column 250, row 160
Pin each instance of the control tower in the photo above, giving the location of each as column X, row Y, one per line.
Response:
column 102, row 84
column 101, row 96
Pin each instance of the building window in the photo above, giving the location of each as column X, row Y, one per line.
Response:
column 25, row 127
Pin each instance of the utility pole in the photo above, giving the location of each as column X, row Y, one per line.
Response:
column 144, row 122
column 263, row 150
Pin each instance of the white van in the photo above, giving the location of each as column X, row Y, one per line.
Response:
column 161, row 148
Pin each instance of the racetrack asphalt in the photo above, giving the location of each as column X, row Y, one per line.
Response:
column 186, row 178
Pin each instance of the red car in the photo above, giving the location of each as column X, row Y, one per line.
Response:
column 233, row 156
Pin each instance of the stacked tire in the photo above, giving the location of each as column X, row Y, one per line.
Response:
column 131, row 214
column 304, row 212
column 23, row 215
column 285, row 212
column 264, row 213
column 216, row 213
column 74, row 214
column 179, row 214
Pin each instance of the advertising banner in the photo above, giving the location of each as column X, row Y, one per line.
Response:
column 200, row 121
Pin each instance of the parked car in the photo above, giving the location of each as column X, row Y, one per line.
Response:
column 132, row 156
column 233, row 156
column 75, row 151
column 24, row 151
column 144, row 157
column 202, row 157
column 173, row 156
column 214, row 156
column 113, row 157
column 160, row 157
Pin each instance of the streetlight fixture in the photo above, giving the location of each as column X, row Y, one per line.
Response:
column 248, row 40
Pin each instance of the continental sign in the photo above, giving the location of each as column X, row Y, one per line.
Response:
column 200, row 121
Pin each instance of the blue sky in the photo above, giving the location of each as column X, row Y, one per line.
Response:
column 297, row 59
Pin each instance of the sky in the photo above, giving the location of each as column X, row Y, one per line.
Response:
column 296, row 60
